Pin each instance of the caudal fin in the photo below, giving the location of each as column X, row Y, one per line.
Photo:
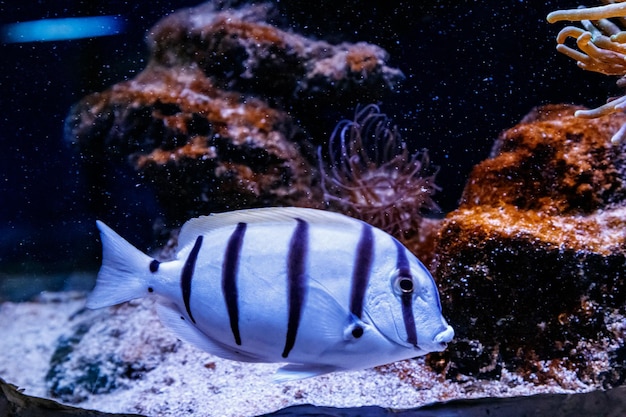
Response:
column 121, row 277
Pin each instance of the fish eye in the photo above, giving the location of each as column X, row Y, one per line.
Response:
column 405, row 284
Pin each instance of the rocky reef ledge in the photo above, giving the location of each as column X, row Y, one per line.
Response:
column 532, row 264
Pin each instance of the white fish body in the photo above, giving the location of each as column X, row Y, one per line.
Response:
column 318, row 290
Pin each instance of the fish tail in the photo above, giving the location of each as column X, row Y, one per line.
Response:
column 120, row 278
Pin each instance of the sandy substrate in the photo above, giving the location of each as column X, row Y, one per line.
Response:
column 171, row 378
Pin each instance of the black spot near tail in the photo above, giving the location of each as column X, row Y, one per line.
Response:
column 154, row 266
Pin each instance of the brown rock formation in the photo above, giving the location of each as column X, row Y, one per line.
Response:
column 203, row 126
column 552, row 163
column 532, row 264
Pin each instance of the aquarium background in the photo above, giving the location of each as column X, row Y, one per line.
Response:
column 473, row 69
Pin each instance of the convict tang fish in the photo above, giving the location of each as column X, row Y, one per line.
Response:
column 318, row 290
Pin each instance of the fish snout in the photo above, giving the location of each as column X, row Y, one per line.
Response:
column 445, row 336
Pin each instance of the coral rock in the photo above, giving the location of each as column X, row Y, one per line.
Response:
column 203, row 124
column 203, row 149
column 532, row 263
column 552, row 162
column 242, row 52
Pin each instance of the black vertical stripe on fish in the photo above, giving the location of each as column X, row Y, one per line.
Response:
column 409, row 320
column 361, row 271
column 187, row 274
column 296, row 280
column 230, row 267
column 402, row 263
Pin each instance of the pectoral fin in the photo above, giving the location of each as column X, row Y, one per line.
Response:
column 334, row 323
column 294, row 372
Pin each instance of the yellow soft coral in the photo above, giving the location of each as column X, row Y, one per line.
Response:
column 602, row 48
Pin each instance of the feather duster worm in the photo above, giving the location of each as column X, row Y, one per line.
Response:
column 372, row 176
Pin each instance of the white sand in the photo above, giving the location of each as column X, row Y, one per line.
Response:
column 179, row 380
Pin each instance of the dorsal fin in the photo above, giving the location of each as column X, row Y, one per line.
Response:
column 205, row 224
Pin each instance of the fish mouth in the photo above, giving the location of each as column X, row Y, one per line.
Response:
column 442, row 338
column 439, row 342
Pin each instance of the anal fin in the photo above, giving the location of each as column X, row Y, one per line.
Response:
column 294, row 372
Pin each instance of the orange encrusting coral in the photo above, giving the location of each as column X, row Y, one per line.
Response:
column 604, row 234
column 562, row 156
column 362, row 57
column 254, row 31
column 195, row 148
